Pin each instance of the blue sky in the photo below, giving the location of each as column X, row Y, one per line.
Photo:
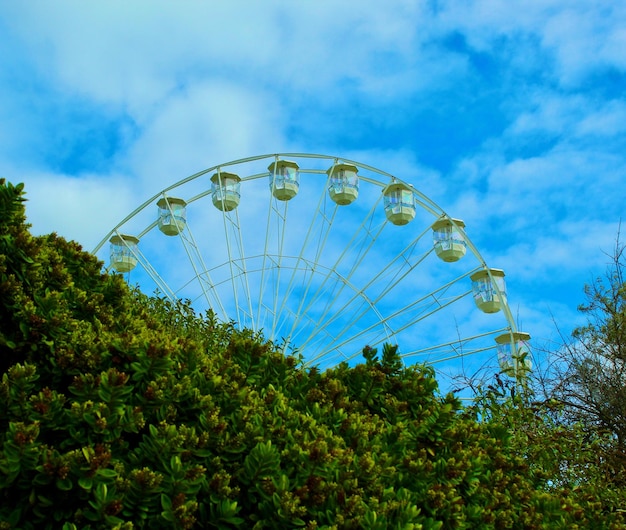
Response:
column 510, row 115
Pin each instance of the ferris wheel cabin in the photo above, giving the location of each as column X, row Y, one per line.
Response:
column 399, row 203
column 514, row 353
column 123, row 252
column 284, row 179
column 225, row 191
column 448, row 240
column 344, row 183
column 172, row 215
column 489, row 290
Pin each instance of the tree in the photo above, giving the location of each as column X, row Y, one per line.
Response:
column 588, row 375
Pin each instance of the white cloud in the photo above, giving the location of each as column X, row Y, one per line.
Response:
column 208, row 124
column 549, row 112
column 586, row 38
column 79, row 209
column 571, row 249
column 564, row 41
column 607, row 119
column 102, row 49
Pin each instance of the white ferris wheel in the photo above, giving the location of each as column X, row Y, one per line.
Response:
column 323, row 255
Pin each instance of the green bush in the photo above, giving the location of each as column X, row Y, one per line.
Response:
column 119, row 410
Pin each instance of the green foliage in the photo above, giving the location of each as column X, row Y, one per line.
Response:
column 562, row 457
column 119, row 410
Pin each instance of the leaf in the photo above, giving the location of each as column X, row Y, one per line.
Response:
column 262, row 461
column 64, row 484
column 168, row 512
column 107, row 473
column 166, row 502
column 85, row 483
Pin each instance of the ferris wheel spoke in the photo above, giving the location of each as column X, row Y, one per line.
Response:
column 347, row 322
column 232, row 264
column 363, row 238
column 458, row 346
column 435, row 298
column 423, row 308
column 273, row 246
column 338, row 312
column 405, row 266
column 160, row 283
column 430, row 309
column 265, row 259
column 316, row 238
column 280, row 239
column 201, row 273
column 322, row 340
column 238, row 267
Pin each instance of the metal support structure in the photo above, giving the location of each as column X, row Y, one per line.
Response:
column 315, row 275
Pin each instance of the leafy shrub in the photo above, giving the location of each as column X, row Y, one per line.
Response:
column 119, row 410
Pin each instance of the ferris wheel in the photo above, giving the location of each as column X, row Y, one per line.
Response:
column 323, row 255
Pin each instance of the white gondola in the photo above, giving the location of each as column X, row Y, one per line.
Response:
column 344, row 183
column 448, row 240
column 489, row 290
column 284, row 179
column 123, row 252
column 399, row 203
column 172, row 215
column 514, row 353
column 225, row 191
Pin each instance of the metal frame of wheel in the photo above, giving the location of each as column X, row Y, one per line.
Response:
column 317, row 277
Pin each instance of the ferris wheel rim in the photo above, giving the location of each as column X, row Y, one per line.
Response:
column 422, row 200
